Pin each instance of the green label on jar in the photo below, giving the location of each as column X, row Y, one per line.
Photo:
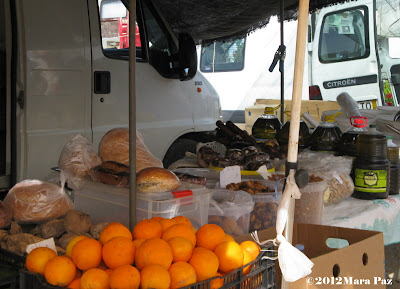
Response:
column 370, row 181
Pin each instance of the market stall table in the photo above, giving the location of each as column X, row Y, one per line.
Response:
column 377, row 215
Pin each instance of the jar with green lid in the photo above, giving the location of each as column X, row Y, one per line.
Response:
column 266, row 125
column 371, row 168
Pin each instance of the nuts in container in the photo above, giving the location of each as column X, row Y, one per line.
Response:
column 265, row 205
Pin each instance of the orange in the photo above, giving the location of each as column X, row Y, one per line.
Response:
column 166, row 223
column 182, row 220
column 118, row 251
column 108, row 271
column 209, row 236
column 218, row 282
column 228, row 238
column 137, row 242
column 60, row 271
column 86, row 254
column 182, row 274
column 95, row 279
column 154, row 276
column 125, row 277
column 72, row 243
column 147, row 229
column 252, row 248
column 180, row 230
column 157, row 218
column 75, row 284
column 114, row 230
column 153, row 251
column 230, row 256
column 205, row 263
column 181, row 249
column 247, row 258
column 38, row 258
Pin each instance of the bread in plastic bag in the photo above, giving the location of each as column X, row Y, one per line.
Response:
column 77, row 158
column 114, row 146
column 35, row 201
column 5, row 215
column 335, row 170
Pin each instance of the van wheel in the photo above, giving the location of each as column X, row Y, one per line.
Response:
column 177, row 150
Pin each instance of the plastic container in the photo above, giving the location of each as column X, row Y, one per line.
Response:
column 231, row 210
column 393, row 158
column 326, row 138
column 212, row 176
column 309, row 208
column 371, row 167
column 8, row 257
column 266, row 125
column 265, row 209
column 105, row 203
column 349, row 137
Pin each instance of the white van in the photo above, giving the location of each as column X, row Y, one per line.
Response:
column 352, row 47
column 58, row 79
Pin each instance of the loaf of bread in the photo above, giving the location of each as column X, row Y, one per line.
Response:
column 5, row 215
column 156, row 180
column 78, row 157
column 34, row 201
column 111, row 173
column 114, row 146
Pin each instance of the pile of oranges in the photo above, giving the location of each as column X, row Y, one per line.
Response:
column 158, row 253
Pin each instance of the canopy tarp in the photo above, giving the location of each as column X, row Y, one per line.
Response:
column 207, row 20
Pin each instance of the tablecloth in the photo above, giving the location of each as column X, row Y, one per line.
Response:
column 377, row 215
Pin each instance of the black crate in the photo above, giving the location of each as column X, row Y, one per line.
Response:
column 31, row 280
column 8, row 257
column 262, row 275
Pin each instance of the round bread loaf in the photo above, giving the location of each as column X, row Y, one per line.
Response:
column 5, row 215
column 33, row 201
column 114, row 146
column 156, row 180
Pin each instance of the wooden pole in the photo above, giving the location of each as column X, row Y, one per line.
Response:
column 132, row 114
column 296, row 106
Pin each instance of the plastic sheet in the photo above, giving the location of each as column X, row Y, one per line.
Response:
column 77, row 158
column 114, row 146
column 34, row 201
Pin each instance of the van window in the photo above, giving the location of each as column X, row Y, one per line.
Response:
column 161, row 46
column 344, row 35
column 114, row 23
column 223, row 56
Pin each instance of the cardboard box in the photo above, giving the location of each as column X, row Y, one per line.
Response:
column 362, row 261
column 313, row 107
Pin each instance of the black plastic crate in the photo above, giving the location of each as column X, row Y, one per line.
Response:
column 8, row 257
column 31, row 280
column 262, row 274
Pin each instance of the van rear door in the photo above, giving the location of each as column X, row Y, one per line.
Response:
column 344, row 57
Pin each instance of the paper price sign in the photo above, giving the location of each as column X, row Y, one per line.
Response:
column 49, row 243
column 230, row 175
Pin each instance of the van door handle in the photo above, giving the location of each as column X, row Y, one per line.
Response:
column 102, row 82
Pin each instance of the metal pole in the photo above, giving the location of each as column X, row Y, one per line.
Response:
column 132, row 114
column 296, row 106
column 281, row 65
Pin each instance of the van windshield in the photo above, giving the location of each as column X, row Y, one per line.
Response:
column 344, row 35
column 223, row 56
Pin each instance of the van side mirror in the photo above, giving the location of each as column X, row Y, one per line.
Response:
column 187, row 57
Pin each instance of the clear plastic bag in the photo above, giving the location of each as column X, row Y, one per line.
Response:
column 334, row 170
column 35, row 201
column 114, row 146
column 77, row 158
